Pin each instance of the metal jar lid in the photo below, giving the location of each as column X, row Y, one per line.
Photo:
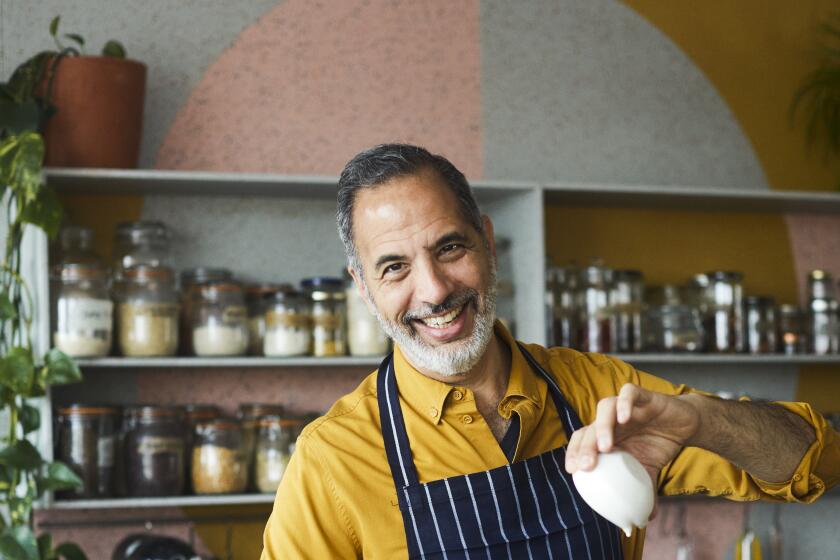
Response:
column 728, row 276
column 88, row 410
column 202, row 274
column 148, row 273
column 75, row 272
column 323, row 288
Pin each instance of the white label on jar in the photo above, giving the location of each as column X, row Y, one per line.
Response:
column 84, row 315
column 105, row 452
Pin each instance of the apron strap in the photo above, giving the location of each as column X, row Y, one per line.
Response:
column 397, row 447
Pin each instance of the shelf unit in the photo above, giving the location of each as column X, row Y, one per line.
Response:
column 517, row 209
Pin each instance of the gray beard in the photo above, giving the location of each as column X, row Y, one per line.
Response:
column 452, row 358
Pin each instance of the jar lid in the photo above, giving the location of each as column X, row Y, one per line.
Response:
column 819, row 274
column 74, row 272
column 221, row 424
column 323, row 287
column 699, row 280
column 627, row 274
column 725, row 276
column 759, row 301
column 202, row 274
column 266, row 289
column 198, row 412
column 252, row 411
column 147, row 272
column 147, row 412
column 789, row 309
column 88, row 410
column 138, row 232
column 290, row 295
column 275, row 420
column 213, row 290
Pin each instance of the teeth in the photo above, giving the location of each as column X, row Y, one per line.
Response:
column 442, row 320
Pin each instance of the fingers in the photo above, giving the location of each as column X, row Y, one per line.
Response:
column 629, row 397
column 582, row 450
column 604, row 424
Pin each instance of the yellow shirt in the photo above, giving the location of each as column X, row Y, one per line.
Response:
column 337, row 498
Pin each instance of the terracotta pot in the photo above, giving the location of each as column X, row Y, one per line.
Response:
column 99, row 113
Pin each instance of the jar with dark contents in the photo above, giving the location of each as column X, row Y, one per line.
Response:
column 597, row 321
column 561, row 300
column 155, row 451
column 86, row 443
column 791, row 338
column 193, row 414
column 759, row 325
column 191, row 278
column 723, row 321
column 219, row 465
column 249, row 415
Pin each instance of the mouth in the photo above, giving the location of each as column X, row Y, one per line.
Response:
column 446, row 327
column 442, row 321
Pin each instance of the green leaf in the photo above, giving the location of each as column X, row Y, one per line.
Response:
column 54, row 25
column 10, row 549
column 44, row 212
column 70, row 551
column 21, row 455
column 17, row 370
column 23, row 535
column 76, row 38
column 60, row 369
column 60, row 477
column 7, row 310
column 113, row 49
column 30, row 418
column 45, row 546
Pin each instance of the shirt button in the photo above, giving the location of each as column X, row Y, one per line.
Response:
column 797, row 477
column 433, row 412
column 466, row 419
column 457, row 395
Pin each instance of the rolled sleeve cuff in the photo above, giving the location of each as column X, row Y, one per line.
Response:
column 803, row 487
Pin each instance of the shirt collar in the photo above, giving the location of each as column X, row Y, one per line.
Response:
column 428, row 396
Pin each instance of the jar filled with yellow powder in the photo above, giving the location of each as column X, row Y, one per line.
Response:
column 219, row 465
column 147, row 312
column 329, row 315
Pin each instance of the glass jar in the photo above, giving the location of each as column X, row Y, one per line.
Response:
column 147, row 312
column 626, row 293
column 505, row 291
column 154, row 451
column 562, row 284
column 364, row 335
column 760, row 325
column 597, row 321
column 288, row 331
column 249, row 415
column 220, row 320
column 257, row 298
column 219, row 464
column 329, row 316
column 76, row 246
column 86, row 443
column 82, row 311
column 275, row 439
column 822, row 314
column 673, row 328
column 791, row 338
column 193, row 415
column 723, row 320
column 141, row 243
column 190, row 278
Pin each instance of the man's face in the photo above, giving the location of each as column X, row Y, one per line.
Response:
column 429, row 276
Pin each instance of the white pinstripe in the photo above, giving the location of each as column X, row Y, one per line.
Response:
column 574, row 502
column 519, row 512
column 434, row 518
column 478, row 518
column 498, row 513
column 539, row 512
column 556, row 505
column 455, row 514
column 414, row 524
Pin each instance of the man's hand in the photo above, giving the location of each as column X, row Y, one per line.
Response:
column 652, row 427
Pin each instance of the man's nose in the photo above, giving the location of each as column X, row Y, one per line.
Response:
column 432, row 285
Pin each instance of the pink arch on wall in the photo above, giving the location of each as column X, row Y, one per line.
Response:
column 312, row 83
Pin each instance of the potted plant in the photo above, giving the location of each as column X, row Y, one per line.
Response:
column 819, row 94
column 24, row 474
column 89, row 108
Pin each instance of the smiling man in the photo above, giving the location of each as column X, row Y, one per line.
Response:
column 462, row 443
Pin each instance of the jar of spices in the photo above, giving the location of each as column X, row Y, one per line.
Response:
column 561, row 299
column 76, row 246
column 219, row 464
column 141, row 243
column 822, row 314
column 791, row 338
column 275, row 439
column 760, row 324
column 82, row 311
column 220, row 320
column 257, row 300
column 193, row 415
column 249, row 415
column 626, row 293
column 723, row 322
column 190, row 278
column 329, row 316
column 364, row 335
column 86, row 443
column 155, row 449
column 147, row 312
column 596, row 317
column 288, row 331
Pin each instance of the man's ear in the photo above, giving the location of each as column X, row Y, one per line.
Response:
column 360, row 285
column 488, row 231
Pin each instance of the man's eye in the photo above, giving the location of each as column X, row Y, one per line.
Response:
column 449, row 248
column 392, row 268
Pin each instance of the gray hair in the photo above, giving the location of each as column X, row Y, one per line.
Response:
column 382, row 163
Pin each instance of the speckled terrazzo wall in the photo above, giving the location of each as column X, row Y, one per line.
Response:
column 562, row 90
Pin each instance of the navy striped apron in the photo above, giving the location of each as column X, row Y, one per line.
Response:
column 528, row 509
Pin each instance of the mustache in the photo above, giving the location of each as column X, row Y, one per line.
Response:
column 452, row 301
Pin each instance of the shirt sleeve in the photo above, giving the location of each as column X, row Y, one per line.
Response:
column 698, row 471
column 308, row 520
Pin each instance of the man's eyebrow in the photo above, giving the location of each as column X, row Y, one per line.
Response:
column 385, row 259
